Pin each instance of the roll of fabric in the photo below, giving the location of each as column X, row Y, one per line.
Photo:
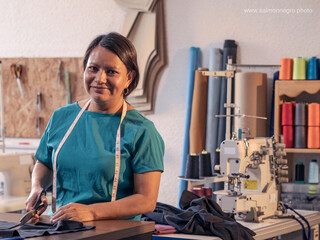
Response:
column 287, row 124
column 299, row 68
column 300, row 123
column 275, row 78
column 214, row 88
column 313, row 125
column 313, row 69
column 251, row 97
column 229, row 51
column 194, row 54
column 286, row 69
column 199, row 112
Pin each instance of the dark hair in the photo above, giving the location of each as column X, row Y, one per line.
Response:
column 123, row 48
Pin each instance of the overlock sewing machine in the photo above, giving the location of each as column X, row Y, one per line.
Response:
column 254, row 168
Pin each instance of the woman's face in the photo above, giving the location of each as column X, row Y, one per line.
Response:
column 105, row 77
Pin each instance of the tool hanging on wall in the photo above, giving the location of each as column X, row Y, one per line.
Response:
column 38, row 125
column 16, row 71
column 68, row 87
column 59, row 74
column 39, row 101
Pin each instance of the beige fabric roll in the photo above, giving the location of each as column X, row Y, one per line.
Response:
column 251, row 96
column 199, row 113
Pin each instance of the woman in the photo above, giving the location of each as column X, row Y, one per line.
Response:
column 84, row 161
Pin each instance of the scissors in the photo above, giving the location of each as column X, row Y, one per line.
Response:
column 37, row 206
column 16, row 72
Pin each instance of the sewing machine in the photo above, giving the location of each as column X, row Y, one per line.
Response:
column 254, row 168
column 16, row 169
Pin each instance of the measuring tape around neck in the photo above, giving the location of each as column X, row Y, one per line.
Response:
column 117, row 155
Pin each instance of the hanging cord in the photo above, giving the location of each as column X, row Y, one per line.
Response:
column 304, row 219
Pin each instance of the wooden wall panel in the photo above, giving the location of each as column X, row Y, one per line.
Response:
column 38, row 75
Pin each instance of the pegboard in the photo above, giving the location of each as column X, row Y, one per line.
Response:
column 39, row 75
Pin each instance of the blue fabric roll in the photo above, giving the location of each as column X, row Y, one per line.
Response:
column 214, row 85
column 229, row 50
column 193, row 65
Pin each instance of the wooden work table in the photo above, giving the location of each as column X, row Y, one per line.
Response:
column 105, row 229
column 270, row 228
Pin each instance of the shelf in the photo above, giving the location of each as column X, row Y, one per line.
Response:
column 302, row 150
column 290, row 88
column 201, row 181
column 304, row 188
column 299, row 91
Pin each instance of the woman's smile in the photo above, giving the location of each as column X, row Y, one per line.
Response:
column 99, row 87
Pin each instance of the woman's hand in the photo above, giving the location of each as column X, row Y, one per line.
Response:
column 144, row 199
column 74, row 211
column 32, row 200
column 41, row 178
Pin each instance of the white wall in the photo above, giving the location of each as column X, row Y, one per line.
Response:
column 263, row 38
column 37, row 28
column 54, row 28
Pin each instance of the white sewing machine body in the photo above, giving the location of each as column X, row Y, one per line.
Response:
column 17, row 170
column 252, row 167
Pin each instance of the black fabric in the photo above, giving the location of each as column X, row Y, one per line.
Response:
column 201, row 216
column 7, row 225
column 41, row 229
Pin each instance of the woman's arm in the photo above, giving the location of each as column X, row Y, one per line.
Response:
column 41, row 179
column 144, row 200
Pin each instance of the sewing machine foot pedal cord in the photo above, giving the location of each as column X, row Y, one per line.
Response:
column 304, row 235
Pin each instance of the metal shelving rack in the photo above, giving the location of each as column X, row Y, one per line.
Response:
column 229, row 73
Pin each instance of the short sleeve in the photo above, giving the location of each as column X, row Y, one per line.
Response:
column 148, row 150
column 44, row 152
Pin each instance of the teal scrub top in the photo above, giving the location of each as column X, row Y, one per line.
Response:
column 86, row 162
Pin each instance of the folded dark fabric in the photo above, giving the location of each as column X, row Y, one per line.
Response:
column 201, row 216
column 41, row 229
